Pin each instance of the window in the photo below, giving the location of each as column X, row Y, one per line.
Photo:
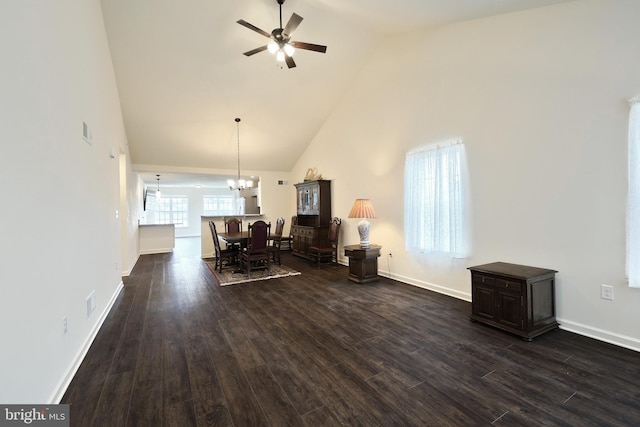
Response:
column 633, row 197
column 435, row 200
column 218, row 205
column 168, row 210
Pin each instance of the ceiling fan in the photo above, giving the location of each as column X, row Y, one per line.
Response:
column 281, row 43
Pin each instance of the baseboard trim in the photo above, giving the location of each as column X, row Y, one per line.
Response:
column 567, row 325
column 600, row 334
column 427, row 285
column 61, row 389
column 127, row 273
column 156, row 251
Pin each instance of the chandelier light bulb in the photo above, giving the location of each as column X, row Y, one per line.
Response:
column 289, row 50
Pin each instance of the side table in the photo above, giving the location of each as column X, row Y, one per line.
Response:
column 363, row 263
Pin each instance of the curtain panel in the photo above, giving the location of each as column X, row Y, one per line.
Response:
column 633, row 196
column 435, row 200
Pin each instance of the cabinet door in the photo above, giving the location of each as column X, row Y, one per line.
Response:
column 483, row 296
column 304, row 200
column 314, row 202
column 309, row 239
column 509, row 304
column 296, row 242
column 295, row 238
column 484, row 301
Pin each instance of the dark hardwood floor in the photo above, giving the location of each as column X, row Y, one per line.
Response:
column 318, row 350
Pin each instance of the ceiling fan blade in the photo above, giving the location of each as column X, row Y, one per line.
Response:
column 253, row 27
column 309, row 46
column 293, row 23
column 254, row 51
column 290, row 62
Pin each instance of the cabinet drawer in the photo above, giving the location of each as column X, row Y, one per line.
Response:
column 508, row 285
column 306, row 232
column 482, row 279
column 301, row 231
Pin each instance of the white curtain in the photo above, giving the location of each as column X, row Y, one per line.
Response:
column 633, row 196
column 435, row 200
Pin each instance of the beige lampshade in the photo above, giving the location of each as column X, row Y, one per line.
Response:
column 362, row 208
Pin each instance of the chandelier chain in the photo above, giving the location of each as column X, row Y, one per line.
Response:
column 238, row 133
column 240, row 184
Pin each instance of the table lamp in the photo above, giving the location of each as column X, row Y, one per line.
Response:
column 363, row 208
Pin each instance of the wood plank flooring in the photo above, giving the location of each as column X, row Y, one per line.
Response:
column 318, row 350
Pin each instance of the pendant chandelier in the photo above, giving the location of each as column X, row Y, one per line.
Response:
column 239, row 184
column 158, row 194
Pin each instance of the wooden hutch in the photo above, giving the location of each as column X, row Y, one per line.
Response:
column 313, row 209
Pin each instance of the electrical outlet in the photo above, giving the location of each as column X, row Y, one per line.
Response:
column 65, row 325
column 606, row 292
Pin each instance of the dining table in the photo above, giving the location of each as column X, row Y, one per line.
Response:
column 238, row 238
column 235, row 238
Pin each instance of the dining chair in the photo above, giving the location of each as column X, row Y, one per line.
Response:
column 276, row 241
column 256, row 254
column 233, row 225
column 327, row 251
column 286, row 242
column 220, row 254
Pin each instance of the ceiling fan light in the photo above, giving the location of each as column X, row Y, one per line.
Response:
column 273, row 47
column 289, row 50
column 280, row 56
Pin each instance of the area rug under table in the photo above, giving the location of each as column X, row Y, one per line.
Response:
column 228, row 277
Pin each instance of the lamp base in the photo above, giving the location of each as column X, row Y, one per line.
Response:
column 363, row 230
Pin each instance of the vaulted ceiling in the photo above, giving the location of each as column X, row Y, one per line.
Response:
column 182, row 77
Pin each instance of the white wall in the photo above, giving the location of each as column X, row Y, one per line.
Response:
column 60, row 222
column 131, row 212
column 540, row 99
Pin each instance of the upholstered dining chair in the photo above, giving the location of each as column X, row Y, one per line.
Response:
column 327, row 251
column 256, row 254
column 220, row 254
column 276, row 241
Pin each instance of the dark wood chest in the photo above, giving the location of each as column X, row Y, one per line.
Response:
column 516, row 298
